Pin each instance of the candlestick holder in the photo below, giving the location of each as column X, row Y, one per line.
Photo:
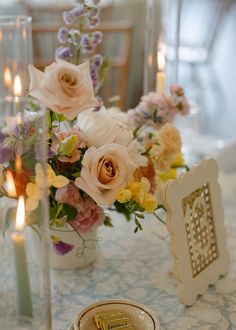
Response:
column 24, row 280
column 161, row 44
column 15, row 53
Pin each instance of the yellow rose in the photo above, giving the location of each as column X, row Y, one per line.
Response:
column 149, row 203
column 170, row 137
column 124, row 196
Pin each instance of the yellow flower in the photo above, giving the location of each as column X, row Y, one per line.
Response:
column 149, row 203
column 124, row 196
column 171, row 174
column 33, row 193
column 33, row 190
column 1, row 175
column 139, row 189
column 145, row 184
column 178, row 160
column 170, row 137
column 57, row 181
column 135, row 187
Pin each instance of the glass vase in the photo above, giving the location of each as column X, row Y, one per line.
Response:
column 24, row 278
column 15, row 53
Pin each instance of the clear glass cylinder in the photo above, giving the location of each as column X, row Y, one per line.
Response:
column 25, row 277
column 161, row 44
column 153, row 28
column 15, row 53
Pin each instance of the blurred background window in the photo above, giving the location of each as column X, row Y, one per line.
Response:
column 207, row 49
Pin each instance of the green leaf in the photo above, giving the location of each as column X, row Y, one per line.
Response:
column 107, row 222
column 58, row 117
column 140, row 216
column 29, row 160
column 70, row 211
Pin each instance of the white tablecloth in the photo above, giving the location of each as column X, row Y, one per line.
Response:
column 136, row 266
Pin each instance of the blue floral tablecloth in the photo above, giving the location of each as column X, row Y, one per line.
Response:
column 138, row 267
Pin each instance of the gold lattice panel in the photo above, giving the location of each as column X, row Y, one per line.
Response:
column 200, row 229
column 195, row 221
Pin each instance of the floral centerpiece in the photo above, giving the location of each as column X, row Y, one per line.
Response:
column 98, row 158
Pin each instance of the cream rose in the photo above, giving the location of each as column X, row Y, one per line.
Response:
column 64, row 88
column 106, row 170
column 100, row 127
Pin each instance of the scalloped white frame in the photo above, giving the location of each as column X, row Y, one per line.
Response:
column 174, row 193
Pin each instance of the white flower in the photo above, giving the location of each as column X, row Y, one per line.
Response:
column 100, row 128
column 119, row 115
column 64, row 88
column 106, row 170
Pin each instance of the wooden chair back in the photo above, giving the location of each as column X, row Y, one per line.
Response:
column 116, row 45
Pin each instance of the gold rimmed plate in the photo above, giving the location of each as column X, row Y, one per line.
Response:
column 141, row 317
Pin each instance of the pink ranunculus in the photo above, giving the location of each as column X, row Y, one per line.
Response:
column 69, row 195
column 89, row 215
column 58, row 138
column 64, row 88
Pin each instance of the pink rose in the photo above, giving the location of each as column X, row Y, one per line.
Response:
column 69, row 195
column 68, row 143
column 64, row 88
column 105, row 171
column 89, row 215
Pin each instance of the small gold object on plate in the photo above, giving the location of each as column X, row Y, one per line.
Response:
column 112, row 319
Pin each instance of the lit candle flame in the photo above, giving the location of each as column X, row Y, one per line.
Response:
column 7, row 77
column 161, row 61
column 20, row 214
column 17, row 86
column 11, row 189
column 18, row 163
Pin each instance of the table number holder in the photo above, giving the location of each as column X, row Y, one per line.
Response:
column 195, row 221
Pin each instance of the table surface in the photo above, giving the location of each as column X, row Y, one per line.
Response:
column 137, row 267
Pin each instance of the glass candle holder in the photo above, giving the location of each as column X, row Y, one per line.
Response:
column 161, row 44
column 153, row 27
column 24, row 238
column 15, row 53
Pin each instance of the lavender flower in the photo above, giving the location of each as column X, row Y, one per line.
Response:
column 2, row 137
column 24, row 129
column 63, row 35
column 75, row 36
column 5, row 153
column 93, row 11
column 93, row 22
column 63, row 53
column 68, row 17
column 78, row 11
column 96, row 37
column 97, row 60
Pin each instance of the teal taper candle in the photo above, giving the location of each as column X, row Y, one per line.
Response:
column 24, row 301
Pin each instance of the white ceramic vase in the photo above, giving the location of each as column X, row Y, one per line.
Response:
column 71, row 249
